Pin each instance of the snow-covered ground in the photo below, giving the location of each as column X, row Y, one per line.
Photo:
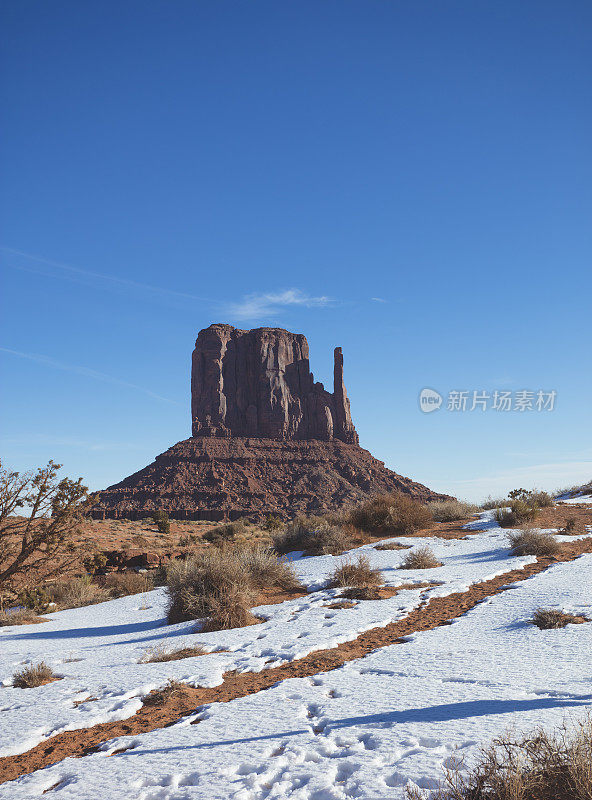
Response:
column 362, row 731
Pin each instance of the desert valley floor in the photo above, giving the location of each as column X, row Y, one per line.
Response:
column 318, row 701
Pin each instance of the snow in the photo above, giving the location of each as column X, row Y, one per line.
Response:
column 362, row 731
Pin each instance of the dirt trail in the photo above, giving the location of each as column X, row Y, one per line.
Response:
column 185, row 700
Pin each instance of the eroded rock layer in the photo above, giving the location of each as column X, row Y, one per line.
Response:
column 213, row 478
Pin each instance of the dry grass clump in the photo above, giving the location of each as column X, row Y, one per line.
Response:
column 421, row 558
column 571, row 525
column 520, row 511
column 390, row 513
column 37, row 675
column 550, row 618
column 451, row 510
column 122, row 584
column 533, row 543
column 392, row 546
column 494, row 502
column 22, row 616
column 170, row 690
column 221, row 585
column 541, row 499
column 77, row 592
column 160, row 653
column 225, row 533
column 357, row 573
column 538, row 766
column 313, row 535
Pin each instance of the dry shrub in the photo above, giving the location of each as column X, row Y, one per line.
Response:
column 36, row 675
column 225, row 533
column 160, row 653
column 541, row 499
column 533, row 543
column 519, row 511
column 550, row 618
column 222, row 584
column 421, row 558
column 121, row 584
column 392, row 546
column 314, row 536
column 357, row 573
column 390, row 513
column 494, row 502
column 22, row 616
column 171, row 689
column 571, row 525
column 451, row 510
column 538, row 766
column 77, row 592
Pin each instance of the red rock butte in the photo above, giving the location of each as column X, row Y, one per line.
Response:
column 266, row 439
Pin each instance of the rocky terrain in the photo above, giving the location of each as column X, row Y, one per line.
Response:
column 267, row 439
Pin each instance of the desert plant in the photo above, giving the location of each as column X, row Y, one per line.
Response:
column 30, row 677
column 77, row 592
column 36, row 598
column 162, row 521
column 95, row 563
column 264, row 567
column 541, row 765
column 541, row 499
column 570, row 525
column 550, row 618
column 172, row 689
column 520, row 511
column 121, row 584
column 392, row 546
column 451, row 510
column 273, row 523
column 533, row 543
column 314, row 536
column 160, row 653
column 421, row 558
column 491, row 503
column 21, row 616
column 390, row 513
column 225, row 533
column 358, row 573
column 57, row 508
column 230, row 610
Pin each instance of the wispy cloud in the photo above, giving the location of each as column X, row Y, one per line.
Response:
column 56, row 269
column 379, row 299
column 270, row 304
column 85, row 372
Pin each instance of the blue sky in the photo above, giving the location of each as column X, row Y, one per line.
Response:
column 409, row 180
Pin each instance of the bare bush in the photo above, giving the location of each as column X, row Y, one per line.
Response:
column 22, row 616
column 77, row 592
column 221, row 585
column 121, row 584
column 533, row 543
column 551, row 618
column 37, row 675
column 225, row 533
column 539, row 765
column 451, row 510
column 421, row 558
column 314, row 536
column 56, row 507
column 491, row 503
column 160, row 653
column 390, row 513
column 358, row 573
column 392, row 546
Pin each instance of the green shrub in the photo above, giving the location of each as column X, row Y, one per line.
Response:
column 161, row 520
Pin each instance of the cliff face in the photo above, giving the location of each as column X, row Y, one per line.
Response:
column 266, row 439
column 258, row 383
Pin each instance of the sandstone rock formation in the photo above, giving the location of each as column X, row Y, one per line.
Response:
column 258, row 383
column 266, row 439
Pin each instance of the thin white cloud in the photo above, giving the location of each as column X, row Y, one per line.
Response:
column 379, row 299
column 85, row 372
column 57, row 269
column 270, row 304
